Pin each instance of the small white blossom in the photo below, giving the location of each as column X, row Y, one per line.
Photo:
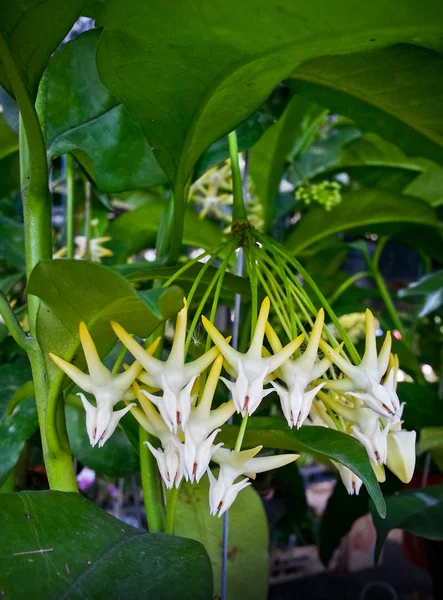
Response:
column 250, row 369
column 108, row 389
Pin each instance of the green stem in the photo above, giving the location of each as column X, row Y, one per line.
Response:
column 70, row 204
column 88, row 211
column 150, row 484
column 118, row 362
column 12, row 324
column 171, row 502
column 238, row 209
column 346, row 284
column 241, row 434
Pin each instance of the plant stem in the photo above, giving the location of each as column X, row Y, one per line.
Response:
column 70, row 205
column 12, row 324
column 241, row 434
column 171, row 503
column 88, row 207
column 346, row 284
column 151, row 490
column 238, row 210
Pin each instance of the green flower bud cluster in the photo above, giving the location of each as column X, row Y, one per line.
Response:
column 326, row 193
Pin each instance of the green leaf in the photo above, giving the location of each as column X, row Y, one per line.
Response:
column 12, row 377
column 221, row 76
column 117, row 458
column 15, row 430
column 247, row 543
column 12, row 242
column 429, row 289
column 8, row 138
column 319, row 441
column 423, row 406
column 428, row 185
column 81, row 117
column 248, row 133
column 32, row 31
column 371, row 89
column 142, row 272
column 137, row 229
column 9, row 174
column 296, row 127
column 419, row 512
column 60, row 545
column 73, row 291
column 364, row 208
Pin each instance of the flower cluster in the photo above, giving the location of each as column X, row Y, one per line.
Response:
column 173, row 401
column 326, row 193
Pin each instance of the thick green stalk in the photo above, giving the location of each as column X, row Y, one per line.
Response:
column 37, row 208
column 150, row 483
column 239, row 210
column 70, row 205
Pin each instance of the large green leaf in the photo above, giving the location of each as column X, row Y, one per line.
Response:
column 429, row 289
column 296, row 127
column 60, row 545
column 12, row 377
column 419, row 512
column 81, row 117
column 319, row 441
column 364, row 208
column 372, row 88
column 73, row 291
column 8, row 138
column 117, row 458
column 15, row 429
column 247, row 542
column 225, row 59
column 32, row 30
column 137, row 229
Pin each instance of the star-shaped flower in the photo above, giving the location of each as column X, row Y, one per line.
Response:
column 250, row 369
column 296, row 399
column 363, row 381
column 108, row 389
column 223, row 491
column 174, row 377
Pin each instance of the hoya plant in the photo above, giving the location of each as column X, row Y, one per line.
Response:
column 185, row 191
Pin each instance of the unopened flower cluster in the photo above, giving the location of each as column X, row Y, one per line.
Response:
column 326, row 193
column 169, row 401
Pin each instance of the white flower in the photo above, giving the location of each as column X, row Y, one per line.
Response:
column 108, row 389
column 297, row 374
column 168, row 457
column 174, row 377
column 223, row 491
column 96, row 250
column 401, row 454
column 202, row 428
column 363, row 381
column 350, row 480
column 250, row 369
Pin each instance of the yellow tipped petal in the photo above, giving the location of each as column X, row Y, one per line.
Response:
column 315, row 337
column 262, row 319
column 278, row 359
column 379, row 471
column 99, row 373
column 385, row 355
column 335, row 357
column 401, row 454
column 267, row 463
column 228, row 352
column 211, row 385
column 151, row 364
column 177, row 354
column 81, row 379
column 142, row 419
column 153, row 347
column 273, row 338
column 370, row 356
column 156, row 422
column 245, row 455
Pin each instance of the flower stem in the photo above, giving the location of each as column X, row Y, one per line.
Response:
column 238, row 209
column 346, row 284
column 171, row 502
column 241, row 433
column 151, row 490
column 12, row 324
column 70, row 204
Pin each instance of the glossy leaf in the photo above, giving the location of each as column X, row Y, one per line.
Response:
column 248, row 133
column 364, row 208
column 423, row 406
column 137, row 229
column 15, row 430
column 418, row 511
column 32, row 31
column 319, row 441
column 81, row 117
column 142, row 272
column 221, row 76
column 117, row 458
column 12, row 377
column 371, row 89
column 429, row 289
column 8, row 138
column 60, row 545
column 247, row 543
column 296, row 127
column 73, row 291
